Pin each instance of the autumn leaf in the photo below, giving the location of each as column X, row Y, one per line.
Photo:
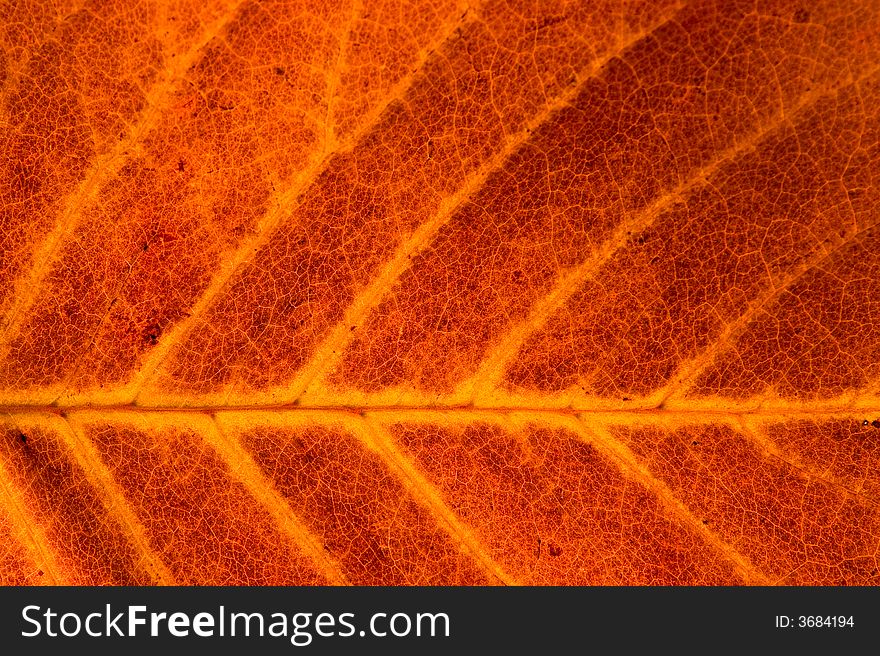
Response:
column 439, row 293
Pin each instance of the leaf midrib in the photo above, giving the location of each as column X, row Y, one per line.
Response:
column 734, row 410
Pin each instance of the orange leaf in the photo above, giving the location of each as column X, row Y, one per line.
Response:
column 440, row 293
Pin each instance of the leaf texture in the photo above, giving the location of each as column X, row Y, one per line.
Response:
column 450, row 293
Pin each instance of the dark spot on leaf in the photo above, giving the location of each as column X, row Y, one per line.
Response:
column 547, row 21
column 145, row 247
column 554, row 550
column 40, row 573
column 876, row 423
column 181, row 165
column 801, row 15
column 152, row 333
column 279, row 70
column 22, row 437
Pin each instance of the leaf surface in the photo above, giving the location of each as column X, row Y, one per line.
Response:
column 461, row 293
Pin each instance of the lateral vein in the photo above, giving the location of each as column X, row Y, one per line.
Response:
column 599, row 437
column 419, row 488
column 243, row 469
column 104, row 168
column 113, row 498
column 487, row 378
column 755, row 433
column 331, row 350
column 30, row 533
column 280, row 207
column 690, row 371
